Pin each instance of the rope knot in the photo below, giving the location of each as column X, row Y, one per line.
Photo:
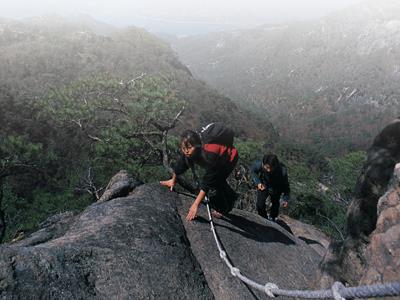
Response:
column 268, row 287
column 336, row 287
column 235, row 271
column 222, row 254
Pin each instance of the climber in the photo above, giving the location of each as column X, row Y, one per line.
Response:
column 212, row 149
column 271, row 179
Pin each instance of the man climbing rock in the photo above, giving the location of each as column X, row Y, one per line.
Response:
column 271, row 179
column 212, row 149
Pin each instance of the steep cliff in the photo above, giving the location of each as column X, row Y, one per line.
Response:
column 371, row 250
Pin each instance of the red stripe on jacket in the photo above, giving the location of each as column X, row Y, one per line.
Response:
column 221, row 150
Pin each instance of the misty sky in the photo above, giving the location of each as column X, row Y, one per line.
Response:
column 178, row 16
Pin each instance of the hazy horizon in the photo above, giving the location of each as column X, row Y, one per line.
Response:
column 179, row 16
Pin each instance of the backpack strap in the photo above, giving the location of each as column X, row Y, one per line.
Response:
column 203, row 129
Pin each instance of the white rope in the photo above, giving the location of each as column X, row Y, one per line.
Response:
column 235, row 271
column 268, row 287
column 338, row 291
column 336, row 287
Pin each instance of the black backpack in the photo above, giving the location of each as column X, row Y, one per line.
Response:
column 217, row 133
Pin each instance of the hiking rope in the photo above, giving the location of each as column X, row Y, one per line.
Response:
column 338, row 291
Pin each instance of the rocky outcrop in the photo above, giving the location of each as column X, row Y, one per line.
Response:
column 263, row 251
column 126, row 248
column 373, row 181
column 382, row 255
column 140, row 247
column 370, row 252
column 120, row 185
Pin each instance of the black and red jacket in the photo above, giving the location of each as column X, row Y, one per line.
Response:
column 218, row 161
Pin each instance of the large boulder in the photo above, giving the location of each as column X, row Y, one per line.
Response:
column 120, row 185
column 125, row 248
column 370, row 252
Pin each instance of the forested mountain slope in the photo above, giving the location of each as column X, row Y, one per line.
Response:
column 45, row 53
column 332, row 82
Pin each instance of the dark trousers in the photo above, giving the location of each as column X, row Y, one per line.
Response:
column 261, row 206
column 223, row 197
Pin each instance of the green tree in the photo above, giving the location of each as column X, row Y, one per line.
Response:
column 104, row 125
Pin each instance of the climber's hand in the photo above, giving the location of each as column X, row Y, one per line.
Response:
column 261, row 186
column 192, row 212
column 169, row 184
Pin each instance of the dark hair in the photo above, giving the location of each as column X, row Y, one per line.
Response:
column 190, row 137
column 272, row 160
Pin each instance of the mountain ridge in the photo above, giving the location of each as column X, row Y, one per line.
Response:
column 316, row 80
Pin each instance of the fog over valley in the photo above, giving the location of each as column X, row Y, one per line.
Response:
column 179, row 17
